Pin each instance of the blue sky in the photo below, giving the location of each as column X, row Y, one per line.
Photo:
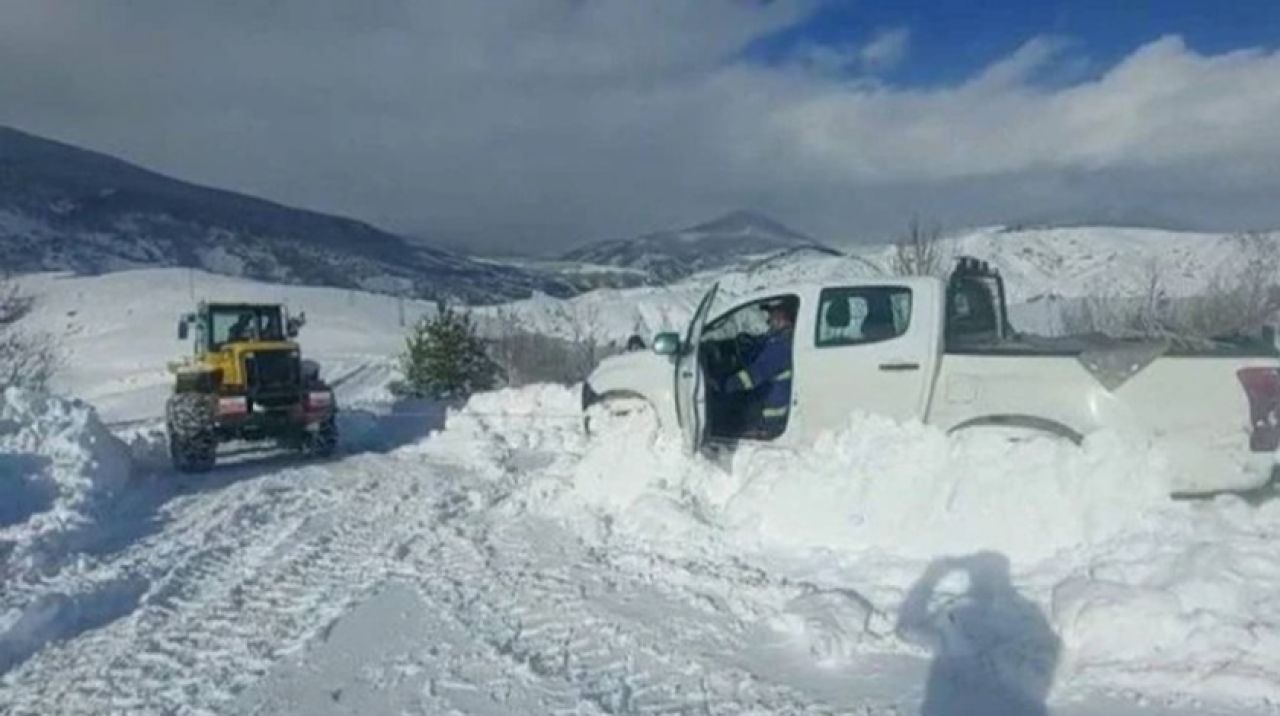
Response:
column 950, row 40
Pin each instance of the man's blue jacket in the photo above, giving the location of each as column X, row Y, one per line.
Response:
column 768, row 378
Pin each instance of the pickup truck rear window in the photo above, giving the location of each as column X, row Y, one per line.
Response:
column 862, row 314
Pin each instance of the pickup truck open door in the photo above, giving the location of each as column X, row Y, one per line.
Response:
column 691, row 397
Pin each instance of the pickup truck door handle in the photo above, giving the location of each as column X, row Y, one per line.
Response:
column 899, row 366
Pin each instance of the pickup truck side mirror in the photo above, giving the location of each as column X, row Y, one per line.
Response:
column 666, row 344
column 184, row 329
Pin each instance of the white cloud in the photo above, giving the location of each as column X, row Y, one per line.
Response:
column 886, row 50
column 550, row 123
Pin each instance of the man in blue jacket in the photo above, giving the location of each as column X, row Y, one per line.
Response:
column 767, row 375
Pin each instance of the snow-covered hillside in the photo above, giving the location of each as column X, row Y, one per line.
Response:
column 1043, row 269
column 1103, row 260
column 666, row 256
column 118, row 331
column 65, row 208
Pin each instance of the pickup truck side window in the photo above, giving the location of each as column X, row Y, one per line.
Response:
column 862, row 314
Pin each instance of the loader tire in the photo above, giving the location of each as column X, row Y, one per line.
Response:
column 193, row 438
column 321, row 442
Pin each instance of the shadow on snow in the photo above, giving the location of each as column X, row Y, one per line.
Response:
column 994, row 652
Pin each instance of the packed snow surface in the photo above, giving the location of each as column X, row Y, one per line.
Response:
column 496, row 558
column 511, row 563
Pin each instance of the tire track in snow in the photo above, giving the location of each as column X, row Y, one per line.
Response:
column 254, row 572
column 593, row 636
column 267, row 569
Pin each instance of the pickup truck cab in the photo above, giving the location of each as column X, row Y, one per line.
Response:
column 943, row 352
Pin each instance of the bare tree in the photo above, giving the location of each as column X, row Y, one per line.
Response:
column 27, row 360
column 918, row 251
column 1240, row 301
column 530, row 357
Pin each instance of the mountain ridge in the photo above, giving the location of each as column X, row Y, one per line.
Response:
column 63, row 207
column 674, row 254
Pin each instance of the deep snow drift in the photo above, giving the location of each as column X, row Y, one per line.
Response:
column 545, row 569
column 1047, row 557
column 57, row 463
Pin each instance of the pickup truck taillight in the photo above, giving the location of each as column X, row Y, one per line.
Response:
column 1262, row 386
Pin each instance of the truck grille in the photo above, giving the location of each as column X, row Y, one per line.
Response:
column 272, row 374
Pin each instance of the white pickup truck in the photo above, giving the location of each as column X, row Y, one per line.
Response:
column 943, row 352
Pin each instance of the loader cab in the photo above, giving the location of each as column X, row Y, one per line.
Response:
column 217, row 326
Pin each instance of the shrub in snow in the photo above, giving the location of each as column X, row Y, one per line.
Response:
column 444, row 358
column 919, row 251
column 1241, row 301
column 527, row 357
column 26, row 360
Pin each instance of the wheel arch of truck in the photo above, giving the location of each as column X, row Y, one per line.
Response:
column 1015, row 420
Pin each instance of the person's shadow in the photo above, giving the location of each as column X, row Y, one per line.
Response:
column 993, row 650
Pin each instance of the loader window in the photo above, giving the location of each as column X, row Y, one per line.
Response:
column 228, row 325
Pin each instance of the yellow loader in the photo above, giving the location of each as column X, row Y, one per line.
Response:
column 246, row 380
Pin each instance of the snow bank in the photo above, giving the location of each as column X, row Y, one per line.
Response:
column 502, row 432
column 1191, row 599
column 57, row 461
column 877, row 485
column 1106, row 583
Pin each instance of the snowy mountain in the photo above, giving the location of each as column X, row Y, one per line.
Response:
column 671, row 255
column 1047, row 262
column 65, row 208
column 1045, row 269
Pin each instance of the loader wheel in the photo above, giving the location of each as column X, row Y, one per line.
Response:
column 193, row 439
column 321, row 442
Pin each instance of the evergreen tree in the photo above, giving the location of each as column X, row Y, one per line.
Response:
column 444, row 358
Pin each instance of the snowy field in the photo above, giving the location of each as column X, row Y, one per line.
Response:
column 498, row 560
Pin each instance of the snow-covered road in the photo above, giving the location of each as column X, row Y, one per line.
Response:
column 511, row 564
column 238, row 592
